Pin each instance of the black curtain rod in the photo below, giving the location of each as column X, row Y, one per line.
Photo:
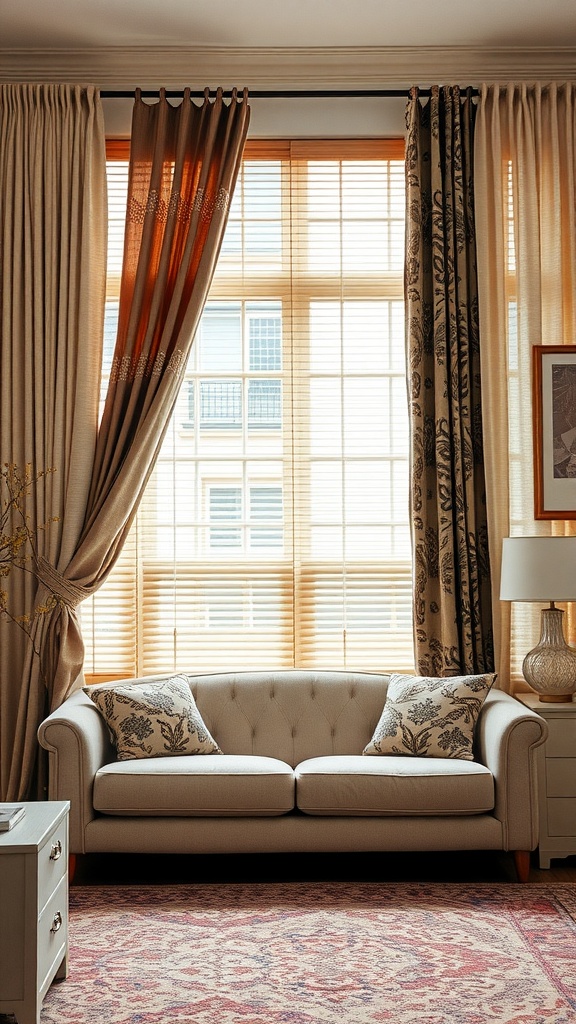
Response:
column 275, row 94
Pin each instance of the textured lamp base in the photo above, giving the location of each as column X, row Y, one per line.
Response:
column 550, row 668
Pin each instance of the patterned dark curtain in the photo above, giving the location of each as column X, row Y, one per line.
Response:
column 452, row 597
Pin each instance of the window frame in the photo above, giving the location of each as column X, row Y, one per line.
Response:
column 260, row 286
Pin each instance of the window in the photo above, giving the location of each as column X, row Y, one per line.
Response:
column 274, row 529
column 222, row 350
column 225, row 506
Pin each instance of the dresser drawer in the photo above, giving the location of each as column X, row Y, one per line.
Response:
column 52, row 935
column 561, row 816
column 561, row 776
column 561, row 740
column 33, row 908
column 52, row 862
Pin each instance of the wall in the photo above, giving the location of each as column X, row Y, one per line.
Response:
column 332, row 117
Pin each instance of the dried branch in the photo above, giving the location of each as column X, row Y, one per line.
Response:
column 18, row 539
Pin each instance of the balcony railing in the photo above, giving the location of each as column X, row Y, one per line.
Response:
column 221, row 405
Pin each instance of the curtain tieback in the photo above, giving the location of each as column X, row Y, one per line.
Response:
column 65, row 591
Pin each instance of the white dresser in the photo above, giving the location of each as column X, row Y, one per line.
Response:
column 556, row 778
column 33, row 908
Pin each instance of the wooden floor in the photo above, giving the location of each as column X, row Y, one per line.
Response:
column 144, row 869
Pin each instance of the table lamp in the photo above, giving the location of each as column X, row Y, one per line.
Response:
column 544, row 569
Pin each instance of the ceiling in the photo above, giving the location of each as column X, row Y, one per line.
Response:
column 78, row 24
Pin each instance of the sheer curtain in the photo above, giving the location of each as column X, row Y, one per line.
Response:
column 183, row 167
column 525, row 158
column 452, row 602
column 53, row 265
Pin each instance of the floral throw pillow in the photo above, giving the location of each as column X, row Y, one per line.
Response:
column 428, row 717
column 153, row 719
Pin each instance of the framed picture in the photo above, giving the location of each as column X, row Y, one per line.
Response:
column 554, row 413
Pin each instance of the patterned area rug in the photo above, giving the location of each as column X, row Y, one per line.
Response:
column 315, row 953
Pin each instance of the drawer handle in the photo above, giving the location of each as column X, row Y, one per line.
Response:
column 57, row 922
column 56, row 851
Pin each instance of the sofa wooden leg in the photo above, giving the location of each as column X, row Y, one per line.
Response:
column 522, row 862
column 71, row 866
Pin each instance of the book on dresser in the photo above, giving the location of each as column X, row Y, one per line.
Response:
column 9, row 815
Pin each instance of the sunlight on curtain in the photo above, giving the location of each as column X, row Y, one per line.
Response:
column 526, row 210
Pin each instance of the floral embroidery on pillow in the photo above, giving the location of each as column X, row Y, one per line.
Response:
column 153, row 719
column 430, row 717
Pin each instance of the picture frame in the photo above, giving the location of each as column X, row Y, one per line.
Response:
column 554, row 421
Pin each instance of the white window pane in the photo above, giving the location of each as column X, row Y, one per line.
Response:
column 225, row 509
column 323, row 190
column 326, row 492
column 263, row 239
column 396, row 246
column 399, row 491
column 265, row 336
column 366, row 492
column 324, row 255
column 325, row 417
column 327, row 542
column 266, row 510
column 264, row 405
column 366, row 417
column 220, row 404
column 364, row 193
column 220, row 338
column 398, row 418
column 396, row 191
column 366, row 344
column 262, row 190
column 325, row 336
column 365, row 247
column 397, row 336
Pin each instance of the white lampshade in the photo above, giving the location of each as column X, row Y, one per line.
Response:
column 538, row 569
column 544, row 569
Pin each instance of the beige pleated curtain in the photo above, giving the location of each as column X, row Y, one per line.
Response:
column 452, row 600
column 183, row 167
column 525, row 168
column 52, row 264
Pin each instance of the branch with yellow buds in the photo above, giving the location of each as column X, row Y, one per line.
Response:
column 18, row 538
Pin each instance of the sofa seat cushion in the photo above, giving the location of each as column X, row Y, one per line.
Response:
column 229, row 785
column 358, row 785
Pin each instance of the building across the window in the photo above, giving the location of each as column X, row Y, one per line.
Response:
column 274, row 529
column 220, row 339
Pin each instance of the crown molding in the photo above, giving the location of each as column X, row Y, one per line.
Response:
column 287, row 67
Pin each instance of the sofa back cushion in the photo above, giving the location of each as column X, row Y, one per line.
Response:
column 292, row 714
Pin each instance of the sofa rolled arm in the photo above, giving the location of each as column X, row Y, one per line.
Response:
column 507, row 735
column 78, row 744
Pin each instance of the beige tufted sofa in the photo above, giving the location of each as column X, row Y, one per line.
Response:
column 293, row 778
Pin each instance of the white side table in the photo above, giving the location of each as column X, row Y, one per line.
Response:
column 556, row 760
column 34, row 908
